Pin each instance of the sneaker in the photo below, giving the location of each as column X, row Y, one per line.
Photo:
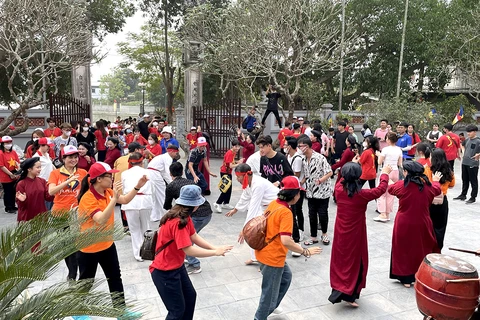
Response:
column 296, row 254
column 460, row 197
column 139, row 259
column 217, row 208
column 227, row 206
column 278, row 310
column 194, row 270
column 126, row 231
column 469, row 201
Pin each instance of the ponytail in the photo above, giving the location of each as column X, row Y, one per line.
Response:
column 86, row 182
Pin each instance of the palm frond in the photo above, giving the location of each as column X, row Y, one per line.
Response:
column 30, row 251
column 66, row 299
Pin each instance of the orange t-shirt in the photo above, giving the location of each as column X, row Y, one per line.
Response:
column 66, row 199
column 280, row 222
column 91, row 203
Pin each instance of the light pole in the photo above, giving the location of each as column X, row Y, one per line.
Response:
column 399, row 80
column 340, row 90
column 142, row 107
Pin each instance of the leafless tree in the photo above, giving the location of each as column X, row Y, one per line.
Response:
column 279, row 42
column 38, row 40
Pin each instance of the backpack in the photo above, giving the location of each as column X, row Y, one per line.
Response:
column 147, row 250
column 245, row 122
column 255, row 231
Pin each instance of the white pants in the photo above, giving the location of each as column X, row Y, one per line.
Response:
column 138, row 223
column 159, row 186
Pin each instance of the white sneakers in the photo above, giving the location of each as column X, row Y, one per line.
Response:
column 217, row 208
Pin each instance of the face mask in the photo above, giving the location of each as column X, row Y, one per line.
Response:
column 285, row 150
column 85, row 128
column 35, row 139
column 150, row 142
column 365, row 145
column 67, row 133
column 300, row 151
column 8, row 146
column 128, row 131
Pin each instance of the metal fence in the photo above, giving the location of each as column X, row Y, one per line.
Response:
column 67, row 109
column 220, row 120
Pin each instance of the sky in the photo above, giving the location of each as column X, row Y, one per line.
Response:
column 109, row 47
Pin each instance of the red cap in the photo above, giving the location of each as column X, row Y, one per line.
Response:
column 69, row 150
column 99, row 168
column 201, row 141
column 44, row 141
column 7, row 139
column 291, row 183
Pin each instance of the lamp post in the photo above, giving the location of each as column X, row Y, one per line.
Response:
column 399, row 80
column 142, row 107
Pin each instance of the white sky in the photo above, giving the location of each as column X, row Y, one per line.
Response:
column 109, row 47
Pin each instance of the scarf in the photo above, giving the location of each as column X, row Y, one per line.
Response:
column 74, row 183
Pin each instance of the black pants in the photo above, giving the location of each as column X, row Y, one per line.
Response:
column 101, row 155
column 72, row 265
column 452, row 164
column 318, row 210
column 298, row 220
column 224, row 197
column 108, row 260
column 177, row 293
column 9, row 195
column 439, row 216
column 277, row 116
column 371, row 183
column 469, row 176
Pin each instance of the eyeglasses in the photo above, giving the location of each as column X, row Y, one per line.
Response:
column 108, row 176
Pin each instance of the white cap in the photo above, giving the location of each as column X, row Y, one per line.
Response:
column 167, row 129
column 127, row 126
column 300, row 119
column 113, row 126
column 146, row 115
column 40, row 129
column 87, row 120
column 155, row 123
column 193, row 128
column 68, row 150
column 294, row 117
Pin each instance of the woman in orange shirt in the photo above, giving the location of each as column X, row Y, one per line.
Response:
column 153, row 148
column 96, row 208
column 64, row 184
column 9, row 165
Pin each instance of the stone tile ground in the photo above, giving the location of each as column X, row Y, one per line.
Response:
column 227, row 289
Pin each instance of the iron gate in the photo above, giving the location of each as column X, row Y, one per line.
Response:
column 67, row 109
column 220, row 120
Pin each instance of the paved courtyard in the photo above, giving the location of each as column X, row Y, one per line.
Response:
column 227, row 289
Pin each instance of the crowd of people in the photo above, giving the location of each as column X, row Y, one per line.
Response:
column 85, row 170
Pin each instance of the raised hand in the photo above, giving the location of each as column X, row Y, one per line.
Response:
column 387, row 169
column 117, row 189
column 141, row 182
column 437, row 176
column 21, row 196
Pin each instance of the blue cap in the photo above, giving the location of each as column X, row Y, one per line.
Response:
column 190, row 196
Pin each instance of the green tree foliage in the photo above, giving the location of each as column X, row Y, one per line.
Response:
column 108, row 16
column 148, row 53
column 30, row 251
column 118, row 84
column 279, row 43
column 418, row 113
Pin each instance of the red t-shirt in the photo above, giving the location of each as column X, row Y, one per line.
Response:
column 156, row 150
column 52, row 133
column 129, row 138
column 141, row 140
column 154, row 130
column 172, row 256
column 424, row 161
column 192, row 140
column 285, row 132
column 9, row 160
column 367, row 161
column 450, row 143
column 227, row 159
column 415, row 139
column 100, row 140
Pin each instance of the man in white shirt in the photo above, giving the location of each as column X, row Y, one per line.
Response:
column 256, row 196
column 254, row 162
column 159, row 175
column 138, row 211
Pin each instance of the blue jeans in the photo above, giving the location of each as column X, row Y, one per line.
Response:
column 275, row 284
column 49, row 205
column 202, row 183
column 199, row 223
column 177, row 293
